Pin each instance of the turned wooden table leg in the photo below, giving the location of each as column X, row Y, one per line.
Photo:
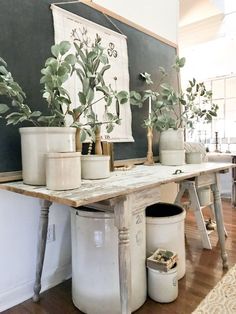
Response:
column 122, row 222
column 219, row 219
column 42, row 237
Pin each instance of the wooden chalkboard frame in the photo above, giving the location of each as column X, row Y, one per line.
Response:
column 122, row 149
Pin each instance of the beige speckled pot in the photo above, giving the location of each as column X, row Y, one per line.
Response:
column 63, row 171
column 36, row 142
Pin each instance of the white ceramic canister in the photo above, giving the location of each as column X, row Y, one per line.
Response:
column 204, row 196
column 95, row 166
column 172, row 157
column 163, row 286
column 95, row 262
column 36, row 142
column 172, row 139
column 63, row 171
column 193, row 157
column 165, row 229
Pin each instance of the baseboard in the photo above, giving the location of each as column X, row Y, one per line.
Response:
column 24, row 291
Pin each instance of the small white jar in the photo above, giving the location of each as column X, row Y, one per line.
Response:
column 163, row 286
column 95, row 166
column 193, row 157
column 63, row 171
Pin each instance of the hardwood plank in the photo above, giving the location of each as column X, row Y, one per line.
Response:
column 203, row 271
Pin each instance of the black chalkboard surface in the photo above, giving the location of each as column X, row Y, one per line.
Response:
column 25, row 40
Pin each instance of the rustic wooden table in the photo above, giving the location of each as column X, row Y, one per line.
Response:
column 123, row 193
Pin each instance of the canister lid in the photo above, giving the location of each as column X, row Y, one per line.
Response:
column 63, row 155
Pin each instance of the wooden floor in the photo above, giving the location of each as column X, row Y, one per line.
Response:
column 203, row 271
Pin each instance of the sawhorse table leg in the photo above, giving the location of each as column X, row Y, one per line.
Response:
column 219, row 220
column 191, row 188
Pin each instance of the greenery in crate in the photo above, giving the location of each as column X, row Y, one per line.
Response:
column 173, row 107
column 89, row 63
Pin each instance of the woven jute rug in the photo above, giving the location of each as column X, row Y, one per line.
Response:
column 222, row 298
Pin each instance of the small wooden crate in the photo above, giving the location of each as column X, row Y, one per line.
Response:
column 162, row 264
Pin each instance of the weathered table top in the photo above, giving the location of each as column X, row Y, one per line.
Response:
column 118, row 184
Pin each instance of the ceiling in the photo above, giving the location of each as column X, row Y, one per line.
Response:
column 192, row 11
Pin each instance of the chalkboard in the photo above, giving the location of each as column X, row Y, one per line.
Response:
column 26, row 37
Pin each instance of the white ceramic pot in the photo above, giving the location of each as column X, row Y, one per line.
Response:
column 172, row 139
column 162, row 286
column 193, row 157
column 172, row 157
column 63, row 171
column 165, row 229
column 95, row 267
column 95, row 166
column 204, row 196
column 36, row 142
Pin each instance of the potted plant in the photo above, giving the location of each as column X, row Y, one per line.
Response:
column 47, row 133
column 90, row 63
column 173, row 109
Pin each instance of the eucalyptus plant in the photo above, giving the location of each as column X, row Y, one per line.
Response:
column 90, row 66
column 173, row 107
column 88, row 60
column 19, row 111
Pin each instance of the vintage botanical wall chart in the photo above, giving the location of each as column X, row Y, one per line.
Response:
column 118, row 75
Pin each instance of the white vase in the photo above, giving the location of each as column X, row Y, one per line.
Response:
column 193, row 157
column 95, row 166
column 36, row 142
column 63, row 171
column 171, row 147
column 172, row 139
column 172, row 157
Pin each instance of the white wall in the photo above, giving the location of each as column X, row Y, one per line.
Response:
column 18, row 246
column 158, row 16
column 20, row 214
column 209, row 47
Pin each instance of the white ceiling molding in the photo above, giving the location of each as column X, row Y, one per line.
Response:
column 201, row 31
column 192, row 11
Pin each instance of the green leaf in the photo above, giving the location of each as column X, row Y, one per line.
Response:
column 3, row 70
column 90, row 96
column 62, row 71
column 71, row 59
column 83, row 135
column 55, row 50
column 35, row 114
column 135, row 95
column 104, row 69
column 3, row 108
column 3, row 62
column 103, row 58
column 49, row 61
column 122, row 95
column 109, row 127
column 82, row 98
column 64, row 47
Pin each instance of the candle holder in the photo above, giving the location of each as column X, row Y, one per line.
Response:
column 228, row 149
column 216, row 143
column 149, row 161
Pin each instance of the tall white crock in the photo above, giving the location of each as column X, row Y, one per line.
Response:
column 36, row 142
column 95, row 269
